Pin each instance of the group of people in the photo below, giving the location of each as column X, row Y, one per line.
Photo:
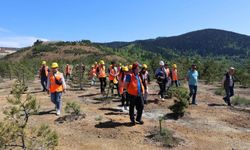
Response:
column 131, row 82
column 54, row 83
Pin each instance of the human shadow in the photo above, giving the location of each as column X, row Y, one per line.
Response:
column 111, row 109
column 89, row 95
column 111, row 124
column 75, row 89
column 35, row 92
column 48, row 112
column 216, row 105
column 116, row 113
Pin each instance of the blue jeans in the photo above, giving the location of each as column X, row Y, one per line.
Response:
column 44, row 83
column 193, row 91
column 229, row 93
column 56, row 98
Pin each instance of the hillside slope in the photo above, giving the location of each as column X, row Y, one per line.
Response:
column 203, row 42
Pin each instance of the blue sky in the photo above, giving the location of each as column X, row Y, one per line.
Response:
column 24, row 21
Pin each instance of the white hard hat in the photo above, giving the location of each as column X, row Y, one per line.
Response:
column 231, row 68
column 161, row 63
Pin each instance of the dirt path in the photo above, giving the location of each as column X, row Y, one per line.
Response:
column 210, row 125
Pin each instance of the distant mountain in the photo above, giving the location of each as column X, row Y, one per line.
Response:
column 203, row 42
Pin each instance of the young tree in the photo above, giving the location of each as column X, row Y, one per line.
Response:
column 15, row 130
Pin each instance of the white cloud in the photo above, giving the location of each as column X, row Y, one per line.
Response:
column 18, row 41
column 11, row 39
column 4, row 30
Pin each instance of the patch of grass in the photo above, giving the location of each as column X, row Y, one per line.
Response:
column 165, row 138
column 219, row 91
column 237, row 100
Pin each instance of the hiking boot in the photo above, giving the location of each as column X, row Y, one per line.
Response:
column 132, row 123
column 229, row 103
column 225, row 100
column 140, row 122
column 162, row 99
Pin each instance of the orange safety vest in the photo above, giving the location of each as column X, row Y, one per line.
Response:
column 121, row 83
column 174, row 75
column 68, row 69
column 46, row 71
column 111, row 74
column 53, row 86
column 102, row 73
column 133, row 86
column 92, row 73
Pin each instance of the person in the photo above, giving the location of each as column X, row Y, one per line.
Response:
column 113, row 81
column 145, row 81
column 96, row 65
column 68, row 71
column 228, row 84
column 102, row 76
column 56, row 85
column 43, row 75
column 122, row 78
column 168, row 78
column 192, row 78
column 174, row 76
column 135, row 89
column 92, row 75
column 160, row 75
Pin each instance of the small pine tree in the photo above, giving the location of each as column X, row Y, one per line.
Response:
column 181, row 103
column 15, row 131
column 73, row 108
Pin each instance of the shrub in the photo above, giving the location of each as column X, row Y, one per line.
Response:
column 181, row 103
column 237, row 100
column 15, row 132
column 219, row 91
column 73, row 108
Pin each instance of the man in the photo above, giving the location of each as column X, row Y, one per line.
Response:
column 102, row 76
column 144, row 75
column 113, row 81
column 135, row 90
column 43, row 74
column 228, row 84
column 192, row 78
column 56, row 85
column 68, row 71
column 160, row 75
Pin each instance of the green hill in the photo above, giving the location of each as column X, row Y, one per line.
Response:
column 206, row 42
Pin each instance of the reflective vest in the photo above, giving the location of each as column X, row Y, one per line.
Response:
column 121, row 83
column 53, row 86
column 133, row 86
column 92, row 73
column 112, row 72
column 102, row 73
column 174, row 75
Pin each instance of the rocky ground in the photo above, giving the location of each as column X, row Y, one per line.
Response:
column 210, row 125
